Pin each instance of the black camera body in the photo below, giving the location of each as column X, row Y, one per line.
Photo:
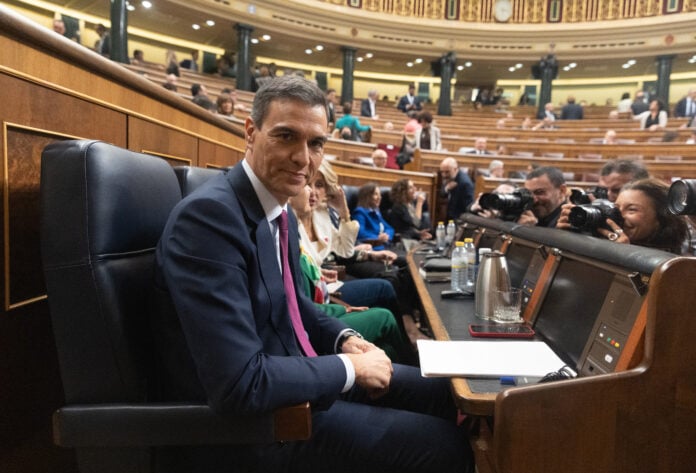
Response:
column 510, row 205
column 581, row 197
column 590, row 217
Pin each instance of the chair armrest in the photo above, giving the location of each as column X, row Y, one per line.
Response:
column 125, row 425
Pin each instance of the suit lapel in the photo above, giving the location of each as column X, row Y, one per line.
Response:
column 266, row 255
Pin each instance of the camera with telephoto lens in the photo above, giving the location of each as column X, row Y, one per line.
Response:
column 510, row 205
column 590, row 217
column 581, row 197
column 681, row 199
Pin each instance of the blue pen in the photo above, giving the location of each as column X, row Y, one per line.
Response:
column 519, row 380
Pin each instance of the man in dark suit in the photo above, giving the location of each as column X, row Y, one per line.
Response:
column 686, row 107
column 571, row 110
column 410, row 101
column 458, row 188
column 331, row 108
column 234, row 282
column 368, row 107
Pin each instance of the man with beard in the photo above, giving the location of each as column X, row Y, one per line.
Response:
column 548, row 188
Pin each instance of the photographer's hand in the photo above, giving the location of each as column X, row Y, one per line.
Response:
column 616, row 234
column 528, row 218
column 563, row 222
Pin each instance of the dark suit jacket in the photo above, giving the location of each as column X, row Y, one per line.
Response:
column 461, row 196
column 365, row 108
column 403, row 103
column 571, row 111
column 217, row 261
column 680, row 108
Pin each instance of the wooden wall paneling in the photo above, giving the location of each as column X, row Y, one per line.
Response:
column 219, row 155
column 179, row 148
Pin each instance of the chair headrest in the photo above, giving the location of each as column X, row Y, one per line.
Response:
column 122, row 198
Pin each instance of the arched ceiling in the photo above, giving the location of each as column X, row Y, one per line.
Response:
column 599, row 48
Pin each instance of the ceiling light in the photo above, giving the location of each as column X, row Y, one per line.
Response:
column 146, row 4
column 626, row 66
column 692, row 60
column 266, row 37
column 196, row 26
column 460, row 67
column 319, row 47
column 468, row 64
column 359, row 59
column 210, row 22
column 409, row 64
column 572, row 65
column 418, row 60
column 631, row 62
column 369, row 55
column 254, row 40
column 518, row 65
column 308, row 51
column 512, row 69
column 567, row 68
column 130, row 7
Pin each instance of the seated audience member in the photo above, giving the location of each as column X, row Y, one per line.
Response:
column 480, row 145
column 237, row 104
column 571, row 110
column 388, row 126
column 410, row 101
column 337, row 243
column 351, row 122
column 624, row 104
column 379, row 158
column 527, row 124
column 59, row 26
column 686, row 107
column 374, row 229
column 368, row 107
column 408, row 145
column 548, row 189
column 670, row 136
column 377, row 325
column 609, row 138
column 655, row 118
column 548, row 112
column 190, row 64
column 496, row 169
column 200, row 97
column 170, row 63
column 502, row 149
column 429, row 135
column 170, row 82
column 406, row 213
column 225, row 105
column 646, row 218
column 458, row 188
column 103, row 44
column 230, row 340
column 613, row 115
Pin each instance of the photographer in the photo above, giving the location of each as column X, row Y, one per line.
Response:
column 548, row 189
column 646, row 219
column 612, row 177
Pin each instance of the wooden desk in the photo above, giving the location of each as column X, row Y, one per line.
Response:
column 449, row 320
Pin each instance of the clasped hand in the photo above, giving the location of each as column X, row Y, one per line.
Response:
column 373, row 368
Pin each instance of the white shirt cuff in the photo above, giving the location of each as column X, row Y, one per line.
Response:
column 350, row 372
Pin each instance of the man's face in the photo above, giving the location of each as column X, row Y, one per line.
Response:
column 286, row 152
column 546, row 197
column 480, row 144
column 447, row 171
column 380, row 160
column 614, row 182
column 331, row 97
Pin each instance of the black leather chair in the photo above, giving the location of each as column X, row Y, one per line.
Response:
column 103, row 209
column 191, row 177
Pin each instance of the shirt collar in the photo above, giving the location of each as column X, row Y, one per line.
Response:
column 270, row 204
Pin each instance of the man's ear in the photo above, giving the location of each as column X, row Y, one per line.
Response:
column 249, row 129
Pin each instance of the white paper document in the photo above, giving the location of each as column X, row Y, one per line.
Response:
column 487, row 358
